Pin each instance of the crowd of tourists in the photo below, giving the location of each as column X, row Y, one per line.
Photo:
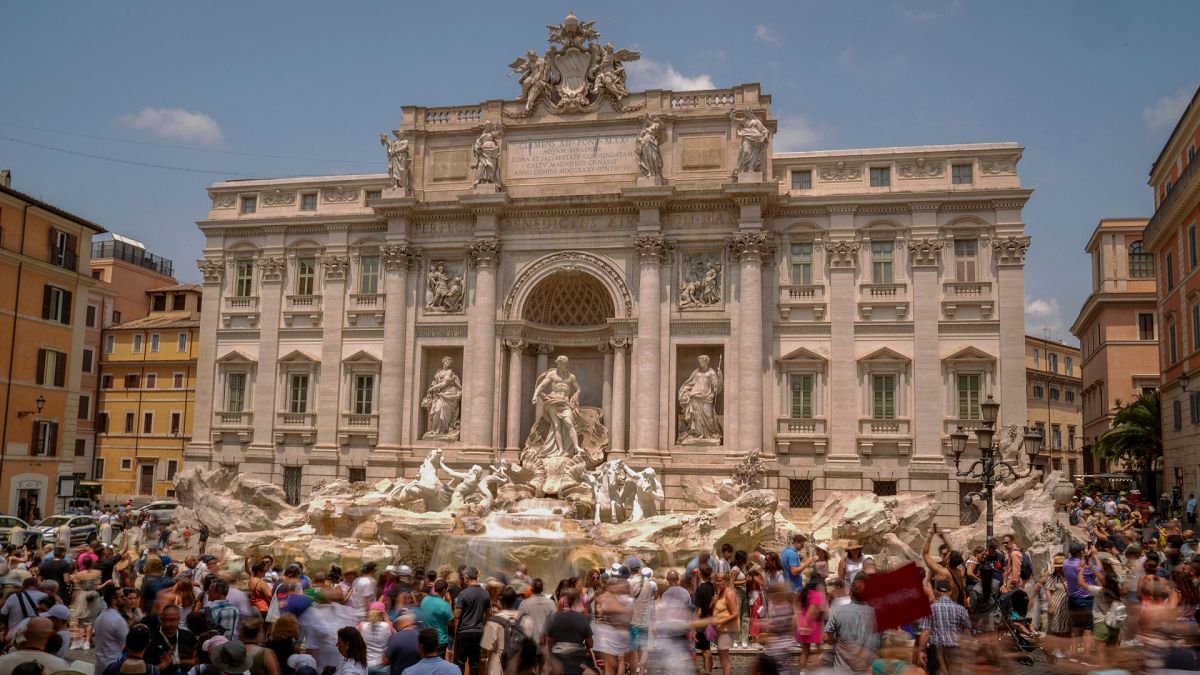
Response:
column 1123, row 595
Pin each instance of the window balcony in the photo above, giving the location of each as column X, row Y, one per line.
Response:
column 886, row 302
column 894, row 433
column 959, row 294
column 304, row 307
column 809, row 297
column 304, row 424
column 356, row 424
column 240, row 423
column 243, row 308
column 800, row 433
column 365, row 305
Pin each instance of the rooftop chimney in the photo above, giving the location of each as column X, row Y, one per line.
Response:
column 5, row 177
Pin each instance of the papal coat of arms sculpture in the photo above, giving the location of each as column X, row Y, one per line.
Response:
column 575, row 74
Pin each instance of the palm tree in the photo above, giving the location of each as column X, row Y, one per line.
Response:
column 1135, row 438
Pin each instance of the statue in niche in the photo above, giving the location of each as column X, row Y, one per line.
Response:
column 753, row 136
column 701, row 284
column 649, row 152
column 442, row 401
column 399, row 162
column 444, row 289
column 486, row 155
column 558, row 392
column 698, row 404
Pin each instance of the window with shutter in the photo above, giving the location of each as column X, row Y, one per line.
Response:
column 40, row 377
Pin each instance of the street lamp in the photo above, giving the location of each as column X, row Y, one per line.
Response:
column 985, row 468
column 40, row 403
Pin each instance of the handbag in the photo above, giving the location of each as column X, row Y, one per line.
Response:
column 1115, row 616
column 710, row 633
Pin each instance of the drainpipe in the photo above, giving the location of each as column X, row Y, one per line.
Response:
column 12, row 352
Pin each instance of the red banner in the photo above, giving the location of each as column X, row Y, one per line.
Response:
column 897, row 597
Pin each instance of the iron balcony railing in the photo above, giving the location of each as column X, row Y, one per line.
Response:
column 133, row 255
column 1168, row 202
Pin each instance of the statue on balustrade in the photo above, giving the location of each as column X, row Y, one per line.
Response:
column 752, row 135
column 486, row 155
column 442, row 401
column 649, row 152
column 399, row 162
column 698, row 405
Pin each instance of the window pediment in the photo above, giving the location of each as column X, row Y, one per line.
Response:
column 298, row 357
column 884, row 355
column 969, row 355
column 236, row 357
column 803, row 357
column 362, row 357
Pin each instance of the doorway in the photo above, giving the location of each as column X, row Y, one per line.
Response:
column 27, row 505
column 145, row 479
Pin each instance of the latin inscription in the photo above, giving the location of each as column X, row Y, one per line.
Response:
column 571, row 157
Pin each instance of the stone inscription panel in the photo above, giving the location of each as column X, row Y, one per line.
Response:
column 451, row 164
column 554, row 158
column 702, row 152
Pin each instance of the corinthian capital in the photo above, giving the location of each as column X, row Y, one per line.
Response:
column 335, row 266
column 842, row 254
column 213, row 270
column 652, row 248
column 484, row 252
column 1010, row 250
column 925, row 252
column 753, row 245
column 399, row 256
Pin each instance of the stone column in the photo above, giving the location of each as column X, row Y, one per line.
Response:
column 1009, row 253
column 620, row 413
column 207, row 394
column 927, row 409
column 329, row 393
column 843, row 383
column 270, row 298
column 750, row 248
column 515, row 395
column 479, row 373
column 542, row 365
column 607, row 384
column 397, row 260
column 651, row 251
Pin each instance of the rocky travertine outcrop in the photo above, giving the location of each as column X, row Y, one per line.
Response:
column 870, row 518
column 228, row 502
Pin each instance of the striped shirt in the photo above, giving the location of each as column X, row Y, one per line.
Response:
column 946, row 622
column 224, row 615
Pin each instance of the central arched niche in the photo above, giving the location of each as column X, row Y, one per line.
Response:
column 569, row 298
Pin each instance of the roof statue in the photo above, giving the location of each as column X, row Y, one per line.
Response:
column 575, row 74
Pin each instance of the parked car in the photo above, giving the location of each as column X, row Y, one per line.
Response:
column 84, row 529
column 6, row 525
column 80, row 506
column 163, row 511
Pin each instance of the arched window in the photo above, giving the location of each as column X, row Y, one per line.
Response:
column 1141, row 263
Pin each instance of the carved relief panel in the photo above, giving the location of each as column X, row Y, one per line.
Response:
column 701, row 284
column 445, row 286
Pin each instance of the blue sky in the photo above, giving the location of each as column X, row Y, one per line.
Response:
column 1091, row 89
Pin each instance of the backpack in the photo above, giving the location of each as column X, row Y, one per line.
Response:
column 1026, row 567
column 515, row 640
column 1115, row 616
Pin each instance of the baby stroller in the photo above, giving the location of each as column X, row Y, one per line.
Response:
column 1010, row 615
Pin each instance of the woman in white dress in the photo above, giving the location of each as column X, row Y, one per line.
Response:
column 610, row 630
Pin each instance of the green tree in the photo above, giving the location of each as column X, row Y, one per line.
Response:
column 1135, row 438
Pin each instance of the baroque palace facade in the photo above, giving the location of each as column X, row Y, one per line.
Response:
column 855, row 305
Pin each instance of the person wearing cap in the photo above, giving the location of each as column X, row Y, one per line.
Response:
column 471, row 609
column 1058, row 616
column 37, row 634
column 60, row 618
column 133, row 662
column 362, row 592
column 375, row 631
column 644, row 592
column 229, row 657
column 852, row 563
column 940, row 631
column 404, row 579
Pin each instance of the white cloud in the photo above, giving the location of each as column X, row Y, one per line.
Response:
column 176, row 124
column 764, row 33
column 1041, row 315
column 795, row 133
column 1167, row 111
column 650, row 74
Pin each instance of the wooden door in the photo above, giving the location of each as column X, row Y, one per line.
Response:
column 146, row 479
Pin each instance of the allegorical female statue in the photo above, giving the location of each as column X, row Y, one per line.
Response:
column 753, row 135
column 399, row 162
column 698, row 403
column 649, row 154
column 442, row 401
column 486, row 155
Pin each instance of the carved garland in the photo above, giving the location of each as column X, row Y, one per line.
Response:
column 279, row 198
column 1010, row 250
column 340, row 196
column 224, row 201
column 567, row 260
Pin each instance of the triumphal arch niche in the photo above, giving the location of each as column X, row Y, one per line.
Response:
column 622, row 230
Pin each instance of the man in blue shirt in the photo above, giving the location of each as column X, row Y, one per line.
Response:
column 1191, row 508
column 430, row 663
column 790, row 557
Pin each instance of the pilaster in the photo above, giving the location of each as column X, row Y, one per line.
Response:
column 270, row 290
column 1009, row 254
column 398, row 259
column 928, row 409
column 751, row 247
column 516, row 397
column 336, row 267
column 479, row 381
column 620, row 412
column 652, row 249
column 212, row 273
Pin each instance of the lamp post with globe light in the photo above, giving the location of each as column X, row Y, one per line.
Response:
column 987, row 468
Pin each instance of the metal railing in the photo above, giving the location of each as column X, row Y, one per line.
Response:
column 133, row 255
